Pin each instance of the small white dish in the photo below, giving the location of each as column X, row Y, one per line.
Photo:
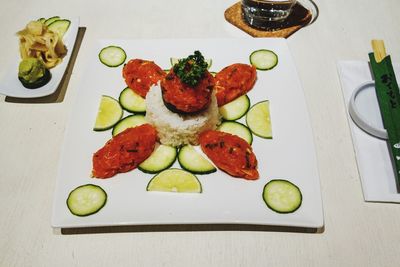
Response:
column 11, row 86
column 365, row 110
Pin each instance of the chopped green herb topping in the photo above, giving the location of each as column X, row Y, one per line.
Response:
column 191, row 69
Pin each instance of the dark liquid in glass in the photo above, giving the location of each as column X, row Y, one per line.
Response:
column 258, row 14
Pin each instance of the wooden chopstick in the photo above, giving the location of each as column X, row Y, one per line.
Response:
column 379, row 49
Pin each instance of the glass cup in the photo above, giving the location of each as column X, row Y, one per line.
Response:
column 261, row 13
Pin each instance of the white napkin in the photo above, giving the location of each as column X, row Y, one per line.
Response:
column 372, row 154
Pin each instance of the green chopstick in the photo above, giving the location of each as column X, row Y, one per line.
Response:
column 387, row 92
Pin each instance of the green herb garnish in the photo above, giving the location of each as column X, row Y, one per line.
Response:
column 191, row 69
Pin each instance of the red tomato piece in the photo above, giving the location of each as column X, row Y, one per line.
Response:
column 180, row 97
column 141, row 74
column 233, row 81
column 230, row 153
column 125, row 151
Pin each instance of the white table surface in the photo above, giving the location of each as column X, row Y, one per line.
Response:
column 355, row 234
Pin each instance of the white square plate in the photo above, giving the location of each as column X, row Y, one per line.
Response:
column 289, row 155
column 11, row 86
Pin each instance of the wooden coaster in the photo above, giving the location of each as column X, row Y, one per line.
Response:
column 298, row 18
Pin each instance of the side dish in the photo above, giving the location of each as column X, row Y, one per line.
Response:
column 41, row 48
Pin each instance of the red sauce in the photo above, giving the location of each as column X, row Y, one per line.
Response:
column 230, row 153
column 233, row 81
column 180, row 97
column 141, row 74
column 125, row 151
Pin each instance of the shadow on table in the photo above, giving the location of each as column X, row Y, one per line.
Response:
column 186, row 228
column 59, row 94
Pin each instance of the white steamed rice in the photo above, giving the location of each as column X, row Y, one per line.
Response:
column 177, row 129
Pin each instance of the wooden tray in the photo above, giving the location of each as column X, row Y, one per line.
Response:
column 299, row 18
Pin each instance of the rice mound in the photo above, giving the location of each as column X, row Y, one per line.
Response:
column 177, row 129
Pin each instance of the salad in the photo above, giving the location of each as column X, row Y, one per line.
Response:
column 188, row 91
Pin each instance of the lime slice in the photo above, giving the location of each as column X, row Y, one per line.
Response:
column 109, row 113
column 259, row 121
column 175, row 180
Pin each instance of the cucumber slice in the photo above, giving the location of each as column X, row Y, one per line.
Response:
column 238, row 129
column 193, row 161
column 235, row 109
column 109, row 113
column 175, row 180
column 132, row 102
column 282, row 196
column 42, row 20
column 60, row 26
column 162, row 158
column 175, row 60
column 259, row 121
column 86, row 200
column 112, row 56
column 263, row 59
column 127, row 122
column 48, row 21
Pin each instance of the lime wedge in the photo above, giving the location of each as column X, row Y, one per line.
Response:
column 258, row 119
column 175, row 180
column 108, row 114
